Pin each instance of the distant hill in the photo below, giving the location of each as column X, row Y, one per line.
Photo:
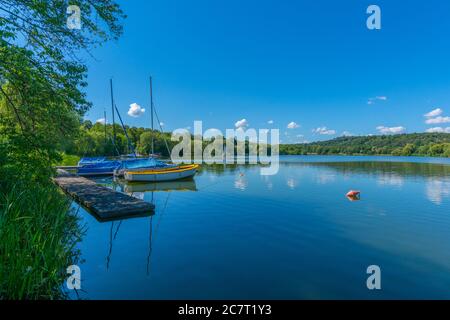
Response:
column 423, row 144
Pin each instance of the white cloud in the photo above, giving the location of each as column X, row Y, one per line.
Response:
column 241, row 124
column 438, row 120
column 434, row 113
column 101, row 120
column 438, row 129
column 347, row 134
column 324, row 130
column 161, row 124
column 135, row 110
column 270, row 122
column 374, row 99
column 390, row 130
column 292, row 125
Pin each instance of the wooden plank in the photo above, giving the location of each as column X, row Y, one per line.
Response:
column 105, row 203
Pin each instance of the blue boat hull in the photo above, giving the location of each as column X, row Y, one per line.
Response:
column 100, row 166
column 84, row 171
column 105, row 167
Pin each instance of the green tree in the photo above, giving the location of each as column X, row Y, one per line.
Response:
column 408, row 149
column 41, row 78
column 437, row 149
column 447, row 150
column 42, row 101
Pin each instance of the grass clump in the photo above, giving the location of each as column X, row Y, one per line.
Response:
column 38, row 235
column 69, row 160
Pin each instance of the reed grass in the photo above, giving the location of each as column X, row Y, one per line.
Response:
column 69, row 160
column 38, row 237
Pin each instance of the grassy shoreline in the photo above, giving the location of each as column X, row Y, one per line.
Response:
column 38, row 235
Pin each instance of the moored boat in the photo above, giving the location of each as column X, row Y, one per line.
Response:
column 162, row 174
column 90, row 160
column 106, row 167
column 139, row 164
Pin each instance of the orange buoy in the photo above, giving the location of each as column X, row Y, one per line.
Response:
column 353, row 193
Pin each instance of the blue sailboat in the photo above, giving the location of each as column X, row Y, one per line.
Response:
column 92, row 166
column 88, row 167
column 90, row 160
column 105, row 167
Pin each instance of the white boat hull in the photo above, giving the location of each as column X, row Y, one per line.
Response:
column 160, row 175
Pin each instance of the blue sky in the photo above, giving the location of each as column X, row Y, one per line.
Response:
column 314, row 63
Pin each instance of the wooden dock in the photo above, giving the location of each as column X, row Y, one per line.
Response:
column 67, row 167
column 105, row 203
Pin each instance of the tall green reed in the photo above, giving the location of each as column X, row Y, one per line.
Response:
column 38, row 236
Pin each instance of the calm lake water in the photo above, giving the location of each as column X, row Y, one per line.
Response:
column 234, row 234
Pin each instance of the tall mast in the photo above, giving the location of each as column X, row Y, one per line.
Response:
column 151, row 111
column 130, row 146
column 106, row 136
column 112, row 108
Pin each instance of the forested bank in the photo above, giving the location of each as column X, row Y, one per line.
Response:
column 414, row 144
column 96, row 140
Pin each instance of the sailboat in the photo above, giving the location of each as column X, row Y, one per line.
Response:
column 139, row 164
column 167, row 172
column 94, row 166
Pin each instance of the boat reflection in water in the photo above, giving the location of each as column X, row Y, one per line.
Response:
column 136, row 189
column 179, row 185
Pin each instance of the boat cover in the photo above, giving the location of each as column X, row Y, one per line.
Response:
column 142, row 163
column 91, row 160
